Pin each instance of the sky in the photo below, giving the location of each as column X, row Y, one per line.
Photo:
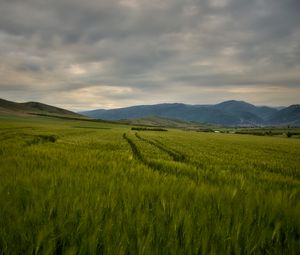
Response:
column 93, row 54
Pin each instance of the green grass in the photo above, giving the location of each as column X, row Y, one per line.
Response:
column 76, row 187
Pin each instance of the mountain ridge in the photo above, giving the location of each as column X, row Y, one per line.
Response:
column 227, row 113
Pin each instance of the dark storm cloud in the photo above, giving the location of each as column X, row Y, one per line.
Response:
column 125, row 52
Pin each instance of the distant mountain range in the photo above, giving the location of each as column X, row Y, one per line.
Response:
column 35, row 108
column 228, row 113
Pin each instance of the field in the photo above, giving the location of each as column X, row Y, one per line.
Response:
column 80, row 187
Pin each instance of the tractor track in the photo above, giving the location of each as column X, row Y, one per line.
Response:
column 157, row 166
column 176, row 156
column 135, row 151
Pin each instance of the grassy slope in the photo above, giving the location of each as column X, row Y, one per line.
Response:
column 157, row 121
column 35, row 108
column 84, row 187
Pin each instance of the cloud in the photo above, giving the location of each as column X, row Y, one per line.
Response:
column 192, row 51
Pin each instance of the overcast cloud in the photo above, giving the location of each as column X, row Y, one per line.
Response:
column 106, row 53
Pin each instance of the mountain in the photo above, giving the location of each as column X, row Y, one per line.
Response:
column 246, row 110
column 228, row 113
column 289, row 115
column 35, row 108
column 205, row 114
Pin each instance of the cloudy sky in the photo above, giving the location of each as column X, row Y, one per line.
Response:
column 112, row 53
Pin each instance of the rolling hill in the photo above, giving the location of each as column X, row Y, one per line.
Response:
column 35, row 108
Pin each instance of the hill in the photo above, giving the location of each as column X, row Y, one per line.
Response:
column 35, row 108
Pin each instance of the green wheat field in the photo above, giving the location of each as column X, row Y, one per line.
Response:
column 82, row 187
